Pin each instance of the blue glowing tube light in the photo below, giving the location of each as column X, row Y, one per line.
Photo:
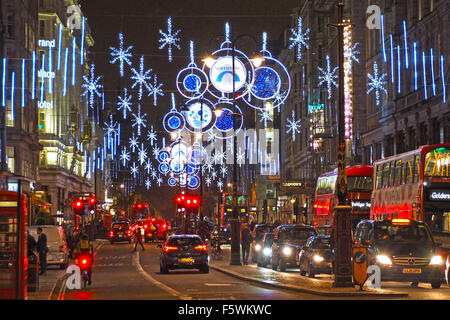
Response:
column 406, row 44
column 424, row 77
column 415, row 66
column 82, row 41
column 432, row 72
column 65, row 72
column 392, row 59
column 42, row 78
column 33, row 79
column 398, row 70
column 13, row 84
column 59, row 46
column 4, row 83
column 50, row 70
column 443, row 79
column 382, row 38
column 74, row 43
column 23, row 83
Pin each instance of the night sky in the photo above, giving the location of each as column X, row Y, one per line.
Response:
column 199, row 20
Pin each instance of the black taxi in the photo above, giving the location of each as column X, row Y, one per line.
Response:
column 403, row 249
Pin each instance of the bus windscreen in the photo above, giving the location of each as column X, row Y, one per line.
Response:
column 437, row 162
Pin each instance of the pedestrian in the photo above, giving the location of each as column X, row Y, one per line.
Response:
column 138, row 239
column 31, row 242
column 42, row 250
column 246, row 241
column 154, row 231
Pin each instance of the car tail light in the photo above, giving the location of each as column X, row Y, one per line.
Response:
column 145, row 226
column 201, row 247
column 164, row 226
column 111, row 234
column 170, row 249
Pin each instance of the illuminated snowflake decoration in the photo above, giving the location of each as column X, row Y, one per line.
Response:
column 92, row 86
column 377, row 83
column 148, row 166
column 220, row 184
column 148, row 183
column 211, row 136
column 240, row 157
column 134, row 169
column 124, row 103
column 156, row 151
column 208, row 181
column 328, row 77
column 120, row 54
column 151, row 136
column 169, row 39
column 293, row 126
column 133, row 141
column 299, row 39
column 223, row 170
column 124, row 156
column 153, row 174
column 139, row 120
column 155, row 90
column 352, row 53
column 111, row 127
column 142, row 154
column 159, row 181
column 141, row 77
column 219, row 157
column 264, row 116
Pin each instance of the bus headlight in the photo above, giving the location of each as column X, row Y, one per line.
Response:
column 317, row 258
column 385, row 260
column 436, row 260
column 257, row 247
column 267, row 252
column 287, row 251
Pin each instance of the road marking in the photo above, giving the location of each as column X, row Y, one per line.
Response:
column 218, row 284
column 156, row 282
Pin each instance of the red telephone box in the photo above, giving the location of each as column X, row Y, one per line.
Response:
column 13, row 250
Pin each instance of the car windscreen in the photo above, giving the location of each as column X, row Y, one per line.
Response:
column 120, row 226
column 269, row 238
column 180, row 242
column 296, row 234
column 322, row 243
column 402, row 233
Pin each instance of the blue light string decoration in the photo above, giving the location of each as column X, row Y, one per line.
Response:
column 50, row 70
column 65, row 72
column 33, row 79
column 398, row 70
column 415, row 66
column 406, row 44
column 443, row 79
column 13, row 84
column 392, row 58
column 432, row 72
column 424, row 76
column 42, row 79
column 4, row 83
column 382, row 38
column 82, row 41
column 23, row 83
column 73, row 60
column 59, row 46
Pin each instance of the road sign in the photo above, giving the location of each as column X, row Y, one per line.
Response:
column 360, row 265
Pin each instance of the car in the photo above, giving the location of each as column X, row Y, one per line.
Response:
column 258, row 232
column 184, row 251
column 58, row 252
column 224, row 234
column 404, row 250
column 120, row 231
column 316, row 256
column 287, row 243
column 264, row 256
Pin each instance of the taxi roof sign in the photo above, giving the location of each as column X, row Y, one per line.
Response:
column 401, row 222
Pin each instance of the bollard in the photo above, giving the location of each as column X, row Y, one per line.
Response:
column 33, row 271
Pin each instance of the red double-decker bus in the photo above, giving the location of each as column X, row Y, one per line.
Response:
column 415, row 185
column 139, row 211
column 359, row 188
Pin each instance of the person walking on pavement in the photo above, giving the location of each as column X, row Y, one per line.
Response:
column 138, row 239
column 246, row 240
column 31, row 243
column 42, row 250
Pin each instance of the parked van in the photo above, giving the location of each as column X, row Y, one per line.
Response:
column 58, row 253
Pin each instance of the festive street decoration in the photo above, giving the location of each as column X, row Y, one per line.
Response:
column 293, row 126
column 91, row 86
column 139, row 120
column 124, row 103
column 141, row 77
column 120, row 54
column 169, row 39
column 155, row 90
column 327, row 76
column 376, row 83
column 299, row 39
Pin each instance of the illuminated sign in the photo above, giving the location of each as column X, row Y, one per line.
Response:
column 46, row 74
column 440, row 195
column 45, row 105
column 221, row 74
column 199, row 116
column 317, row 107
column 47, row 43
column 361, row 204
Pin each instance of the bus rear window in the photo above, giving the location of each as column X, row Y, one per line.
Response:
column 359, row 184
column 437, row 163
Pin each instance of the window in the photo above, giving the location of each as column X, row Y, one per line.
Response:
column 416, row 173
column 437, row 163
column 408, row 169
column 391, row 174
column 41, row 121
column 379, row 177
column 10, row 154
column 385, row 175
column 359, row 184
column 398, row 173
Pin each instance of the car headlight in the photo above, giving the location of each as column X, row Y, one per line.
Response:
column 267, row 252
column 258, row 247
column 436, row 260
column 317, row 258
column 287, row 251
column 382, row 259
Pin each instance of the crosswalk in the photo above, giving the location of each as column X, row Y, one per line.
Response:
column 112, row 261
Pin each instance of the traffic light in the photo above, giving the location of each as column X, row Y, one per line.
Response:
column 78, row 207
column 92, row 201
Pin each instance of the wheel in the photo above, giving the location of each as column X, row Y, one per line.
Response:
column 436, row 285
column 282, row 265
column 163, row 269
column 204, row 269
column 310, row 273
column 302, row 272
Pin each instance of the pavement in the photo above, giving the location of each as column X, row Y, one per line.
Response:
column 292, row 280
column 52, row 283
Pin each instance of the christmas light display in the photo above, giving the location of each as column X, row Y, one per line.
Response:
column 299, row 39
column 120, row 54
column 327, row 76
column 141, row 77
column 377, row 83
column 169, row 39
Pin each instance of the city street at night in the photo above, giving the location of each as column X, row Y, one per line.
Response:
column 221, row 159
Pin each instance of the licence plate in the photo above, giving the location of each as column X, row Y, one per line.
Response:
column 412, row 270
column 187, row 260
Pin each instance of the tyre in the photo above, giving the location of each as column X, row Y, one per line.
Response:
column 282, row 265
column 163, row 269
column 204, row 269
column 436, row 285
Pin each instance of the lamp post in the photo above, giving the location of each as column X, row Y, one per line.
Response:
column 342, row 226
